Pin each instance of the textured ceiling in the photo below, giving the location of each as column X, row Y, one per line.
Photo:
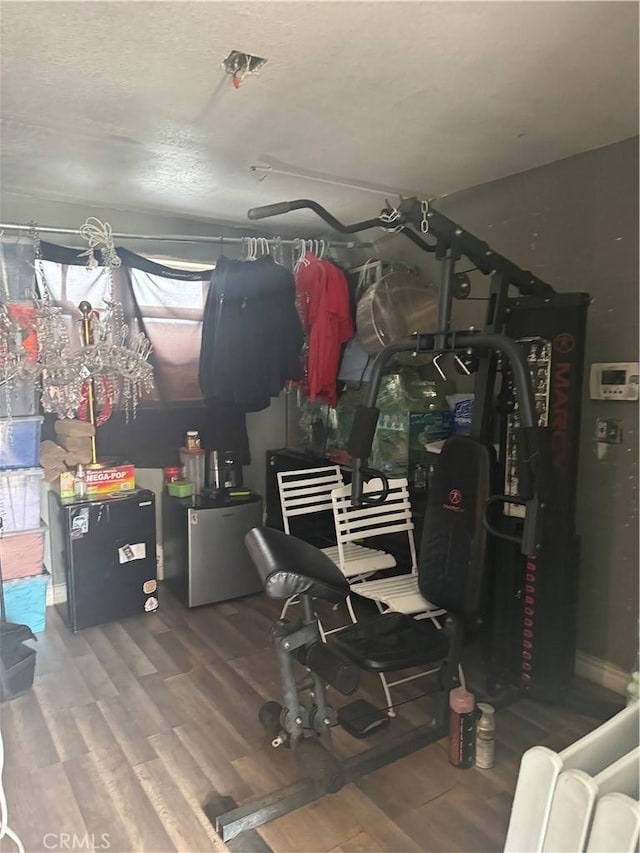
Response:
column 125, row 104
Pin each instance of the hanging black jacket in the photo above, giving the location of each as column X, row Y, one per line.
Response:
column 251, row 333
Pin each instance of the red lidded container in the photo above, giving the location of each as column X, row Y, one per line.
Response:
column 172, row 473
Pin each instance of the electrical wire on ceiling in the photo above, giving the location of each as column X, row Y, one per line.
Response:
column 267, row 170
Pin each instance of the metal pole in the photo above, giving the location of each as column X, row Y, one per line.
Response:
column 85, row 309
column 445, row 298
column 274, row 805
column 179, row 238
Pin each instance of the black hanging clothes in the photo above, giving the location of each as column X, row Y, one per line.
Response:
column 251, row 333
column 225, row 428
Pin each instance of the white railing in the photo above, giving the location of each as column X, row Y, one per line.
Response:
column 584, row 798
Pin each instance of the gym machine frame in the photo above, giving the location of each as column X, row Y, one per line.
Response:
column 537, row 492
column 533, row 642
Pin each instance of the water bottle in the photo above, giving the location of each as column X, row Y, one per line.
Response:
column 486, row 736
column 79, row 483
column 462, row 727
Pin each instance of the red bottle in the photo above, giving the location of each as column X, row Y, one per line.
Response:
column 462, row 727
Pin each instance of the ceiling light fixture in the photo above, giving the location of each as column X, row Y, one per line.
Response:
column 239, row 65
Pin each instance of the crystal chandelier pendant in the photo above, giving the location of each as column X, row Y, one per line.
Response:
column 111, row 369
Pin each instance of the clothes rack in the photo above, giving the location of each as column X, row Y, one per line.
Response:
column 181, row 238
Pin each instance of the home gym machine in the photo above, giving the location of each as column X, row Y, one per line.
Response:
column 528, row 361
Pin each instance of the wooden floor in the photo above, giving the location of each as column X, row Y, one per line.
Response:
column 131, row 727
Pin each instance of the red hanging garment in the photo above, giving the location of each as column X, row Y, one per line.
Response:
column 322, row 297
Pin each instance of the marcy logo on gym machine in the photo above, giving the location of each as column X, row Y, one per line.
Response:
column 455, row 499
column 560, row 383
column 563, row 344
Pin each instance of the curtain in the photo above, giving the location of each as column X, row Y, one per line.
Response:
column 167, row 305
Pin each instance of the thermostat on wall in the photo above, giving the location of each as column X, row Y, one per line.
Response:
column 614, row 381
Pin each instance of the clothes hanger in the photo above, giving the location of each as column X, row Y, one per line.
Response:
column 251, row 246
column 302, row 259
column 277, row 252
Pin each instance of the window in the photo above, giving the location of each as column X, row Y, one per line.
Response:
column 172, row 314
column 171, row 310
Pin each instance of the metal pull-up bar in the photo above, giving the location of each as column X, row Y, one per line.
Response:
column 450, row 238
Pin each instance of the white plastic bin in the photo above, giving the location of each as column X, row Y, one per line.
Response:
column 20, row 499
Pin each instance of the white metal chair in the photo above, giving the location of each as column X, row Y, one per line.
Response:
column 399, row 594
column 309, row 491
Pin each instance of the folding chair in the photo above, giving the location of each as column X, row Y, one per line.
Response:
column 399, row 594
column 309, row 491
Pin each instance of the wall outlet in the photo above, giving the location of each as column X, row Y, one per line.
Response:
column 608, row 431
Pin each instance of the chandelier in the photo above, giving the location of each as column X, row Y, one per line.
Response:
column 19, row 368
column 109, row 370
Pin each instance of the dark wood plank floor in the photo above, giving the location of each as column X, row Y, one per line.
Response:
column 131, row 727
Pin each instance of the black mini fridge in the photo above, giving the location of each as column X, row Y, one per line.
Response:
column 104, row 557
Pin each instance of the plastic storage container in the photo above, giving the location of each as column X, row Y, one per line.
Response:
column 172, row 473
column 22, row 553
column 193, row 463
column 18, row 399
column 192, row 440
column 25, row 601
column 20, row 499
column 180, row 488
column 20, row 442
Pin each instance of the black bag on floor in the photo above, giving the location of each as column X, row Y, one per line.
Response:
column 17, row 660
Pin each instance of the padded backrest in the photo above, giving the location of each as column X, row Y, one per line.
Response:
column 451, row 568
column 307, row 491
column 392, row 516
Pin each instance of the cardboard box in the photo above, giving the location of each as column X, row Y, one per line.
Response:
column 101, row 481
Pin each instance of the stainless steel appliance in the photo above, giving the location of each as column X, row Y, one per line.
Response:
column 204, row 555
column 226, row 470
